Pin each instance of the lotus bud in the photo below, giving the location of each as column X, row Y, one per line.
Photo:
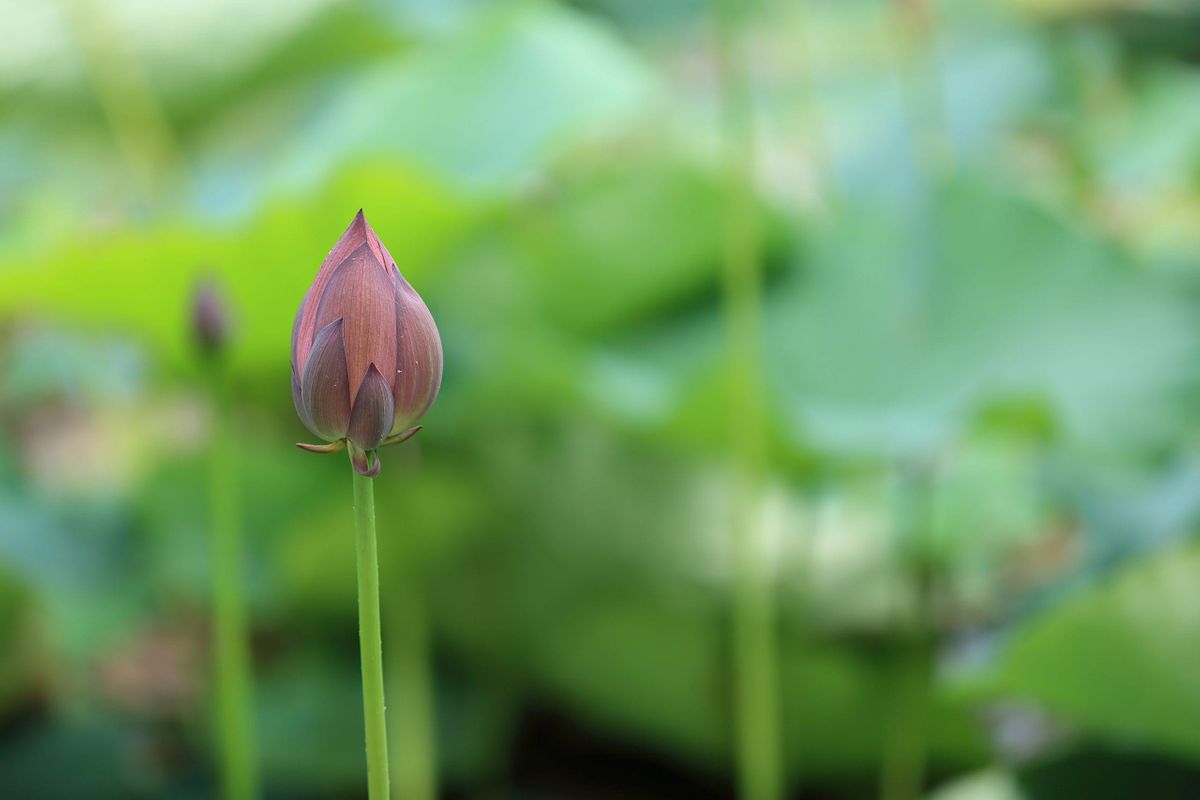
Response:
column 210, row 318
column 366, row 355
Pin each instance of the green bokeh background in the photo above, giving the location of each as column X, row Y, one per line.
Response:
column 981, row 245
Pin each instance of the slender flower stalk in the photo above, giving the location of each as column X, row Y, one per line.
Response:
column 756, row 694
column 366, row 365
column 370, row 637
column 231, row 658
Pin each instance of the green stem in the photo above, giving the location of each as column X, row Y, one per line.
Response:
column 135, row 116
column 905, row 727
column 756, row 692
column 370, row 638
column 412, row 692
column 754, row 661
column 239, row 775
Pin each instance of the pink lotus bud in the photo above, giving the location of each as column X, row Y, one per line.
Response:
column 366, row 355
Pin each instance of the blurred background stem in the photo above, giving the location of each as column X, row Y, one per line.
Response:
column 414, row 753
column 910, row 671
column 126, row 97
column 915, row 27
column 239, row 775
column 906, row 716
column 370, row 638
column 756, row 693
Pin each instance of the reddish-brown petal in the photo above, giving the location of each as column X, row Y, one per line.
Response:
column 418, row 357
column 298, row 357
column 355, row 236
column 368, row 233
column 361, row 294
column 298, row 401
column 324, row 388
column 371, row 417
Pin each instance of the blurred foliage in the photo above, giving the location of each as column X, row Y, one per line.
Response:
column 980, row 314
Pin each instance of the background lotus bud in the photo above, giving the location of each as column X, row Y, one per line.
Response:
column 366, row 355
column 210, row 318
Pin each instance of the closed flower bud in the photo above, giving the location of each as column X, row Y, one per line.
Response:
column 366, row 355
column 210, row 318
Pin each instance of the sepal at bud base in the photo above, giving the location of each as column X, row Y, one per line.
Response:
column 365, row 462
column 403, row 436
column 340, row 444
column 331, row 447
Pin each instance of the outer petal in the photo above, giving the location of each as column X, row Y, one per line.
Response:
column 363, row 228
column 298, row 335
column 324, row 389
column 360, row 292
column 297, row 399
column 306, row 325
column 418, row 357
column 371, row 417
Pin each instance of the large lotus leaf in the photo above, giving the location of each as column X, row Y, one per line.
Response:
column 1119, row 659
column 1126, row 512
column 612, row 248
column 180, row 49
column 901, row 327
column 486, row 106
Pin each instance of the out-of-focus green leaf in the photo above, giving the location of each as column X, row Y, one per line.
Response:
column 310, row 731
column 485, row 107
column 1109, row 773
column 835, row 710
column 892, row 338
column 102, row 758
column 1146, row 163
column 19, row 650
column 182, row 48
column 984, row 499
column 618, row 247
column 1119, row 659
column 69, row 556
column 992, row 784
